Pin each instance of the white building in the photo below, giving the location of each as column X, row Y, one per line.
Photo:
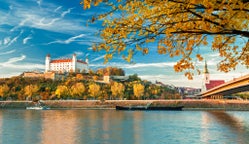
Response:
column 65, row 65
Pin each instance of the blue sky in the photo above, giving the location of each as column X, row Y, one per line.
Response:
column 30, row 29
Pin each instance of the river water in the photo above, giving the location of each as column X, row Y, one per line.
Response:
column 123, row 127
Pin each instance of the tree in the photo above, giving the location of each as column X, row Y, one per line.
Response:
column 4, row 89
column 178, row 27
column 94, row 90
column 77, row 89
column 117, row 89
column 31, row 90
column 138, row 90
column 62, row 91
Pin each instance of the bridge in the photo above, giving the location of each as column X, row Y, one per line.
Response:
column 236, row 85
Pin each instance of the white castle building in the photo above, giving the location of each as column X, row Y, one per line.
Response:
column 65, row 65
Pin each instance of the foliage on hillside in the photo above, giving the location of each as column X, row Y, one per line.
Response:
column 81, row 86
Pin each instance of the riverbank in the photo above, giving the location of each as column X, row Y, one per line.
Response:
column 110, row 104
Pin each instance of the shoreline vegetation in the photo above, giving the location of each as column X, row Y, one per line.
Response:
column 233, row 105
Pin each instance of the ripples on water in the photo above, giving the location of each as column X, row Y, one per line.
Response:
column 123, row 127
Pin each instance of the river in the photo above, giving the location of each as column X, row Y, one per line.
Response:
column 123, row 127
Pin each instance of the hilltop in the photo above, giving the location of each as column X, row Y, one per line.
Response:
column 107, row 83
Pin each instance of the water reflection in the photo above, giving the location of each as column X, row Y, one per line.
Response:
column 1, row 126
column 60, row 127
column 122, row 127
column 228, row 120
column 229, row 126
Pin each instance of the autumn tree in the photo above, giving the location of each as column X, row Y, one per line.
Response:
column 62, row 91
column 94, row 90
column 31, row 90
column 77, row 89
column 117, row 89
column 4, row 89
column 179, row 28
column 114, row 71
column 138, row 90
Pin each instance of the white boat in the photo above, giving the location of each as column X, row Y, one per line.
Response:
column 38, row 108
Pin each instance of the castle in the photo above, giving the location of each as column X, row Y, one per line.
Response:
column 66, row 65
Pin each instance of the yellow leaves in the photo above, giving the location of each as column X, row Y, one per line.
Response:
column 189, row 75
column 178, row 28
column 77, row 89
column 62, row 90
column 94, row 90
column 161, row 49
column 117, row 89
column 130, row 55
column 120, row 6
column 138, row 48
column 30, row 90
column 138, row 90
column 199, row 57
column 182, row 65
column 107, row 57
column 86, row 3
column 149, row 40
column 4, row 89
column 145, row 51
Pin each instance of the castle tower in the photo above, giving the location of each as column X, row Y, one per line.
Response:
column 87, row 61
column 206, row 78
column 47, row 63
column 74, row 61
column 206, row 74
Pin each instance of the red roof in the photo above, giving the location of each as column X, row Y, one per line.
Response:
column 66, row 60
column 81, row 61
column 214, row 83
column 61, row 60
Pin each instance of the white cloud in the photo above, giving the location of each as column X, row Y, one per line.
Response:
column 46, row 22
column 8, row 52
column 6, row 40
column 137, row 65
column 39, row 2
column 66, row 12
column 98, row 58
column 15, row 59
column 14, row 39
column 44, row 18
column 16, row 63
column 69, row 40
column 25, row 40
column 79, row 53
column 58, row 8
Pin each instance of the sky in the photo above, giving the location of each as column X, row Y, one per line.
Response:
column 31, row 29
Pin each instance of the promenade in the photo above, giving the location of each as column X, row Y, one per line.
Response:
column 110, row 104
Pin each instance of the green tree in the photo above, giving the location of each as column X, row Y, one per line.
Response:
column 180, row 28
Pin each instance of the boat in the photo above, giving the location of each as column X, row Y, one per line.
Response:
column 38, row 108
column 173, row 108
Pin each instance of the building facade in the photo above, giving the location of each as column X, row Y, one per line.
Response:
column 66, row 65
column 207, row 83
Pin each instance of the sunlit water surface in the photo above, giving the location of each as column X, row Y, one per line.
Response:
column 123, row 127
